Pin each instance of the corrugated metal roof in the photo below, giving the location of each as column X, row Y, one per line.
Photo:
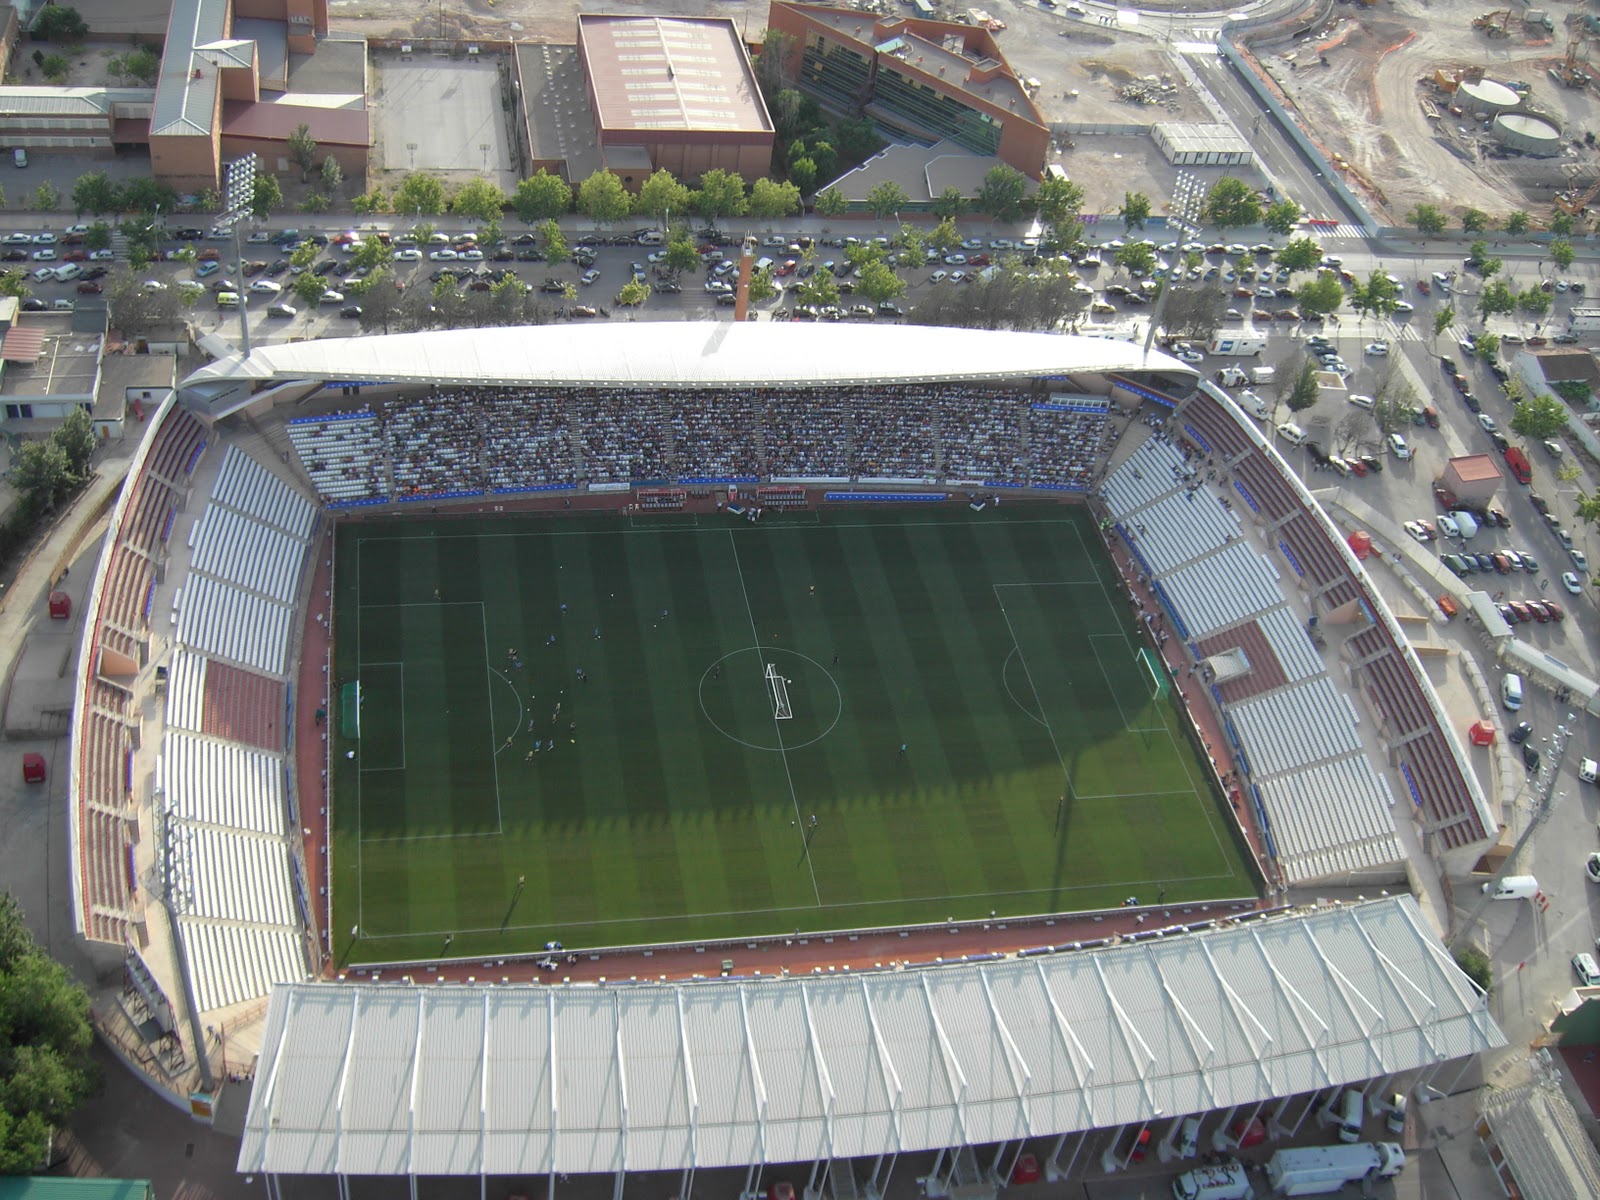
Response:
column 386, row 1079
column 693, row 354
column 1546, row 1147
column 186, row 91
column 68, row 102
column 22, row 344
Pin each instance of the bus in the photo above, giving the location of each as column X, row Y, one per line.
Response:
column 923, row 8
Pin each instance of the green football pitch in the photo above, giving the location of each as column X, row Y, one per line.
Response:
column 613, row 731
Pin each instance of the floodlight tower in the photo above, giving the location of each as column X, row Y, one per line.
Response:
column 238, row 197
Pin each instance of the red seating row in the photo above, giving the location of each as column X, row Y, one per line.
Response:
column 147, row 511
column 105, row 830
column 243, row 706
column 1261, row 478
column 1266, row 672
column 1217, row 426
column 180, row 435
column 1309, row 542
column 123, row 593
column 109, row 698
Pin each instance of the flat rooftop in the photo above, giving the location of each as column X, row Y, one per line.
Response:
column 1474, row 467
column 555, row 107
column 657, row 73
column 68, row 362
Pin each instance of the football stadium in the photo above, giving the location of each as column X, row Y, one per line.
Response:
column 719, row 700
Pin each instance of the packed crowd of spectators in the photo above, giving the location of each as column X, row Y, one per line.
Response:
column 505, row 439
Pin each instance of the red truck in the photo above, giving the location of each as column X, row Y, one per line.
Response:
column 1518, row 462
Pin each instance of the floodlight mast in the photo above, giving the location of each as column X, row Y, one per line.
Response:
column 238, row 199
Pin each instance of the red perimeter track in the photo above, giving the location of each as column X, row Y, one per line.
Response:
column 774, row 956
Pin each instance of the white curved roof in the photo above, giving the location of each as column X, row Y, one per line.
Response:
column 393, row 1079
column 686, row 354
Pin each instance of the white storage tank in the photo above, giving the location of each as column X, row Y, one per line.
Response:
column 1486, row 96
column 1529, row 133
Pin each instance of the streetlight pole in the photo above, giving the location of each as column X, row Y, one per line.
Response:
column 241, row 187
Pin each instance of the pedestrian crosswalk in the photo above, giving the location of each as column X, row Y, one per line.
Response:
column 1345, row 229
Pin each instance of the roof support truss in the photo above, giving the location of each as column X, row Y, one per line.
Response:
column 1082, row 1065
column 956, row 1081
column 758, row 1085
column 1021, row 1077
column 891, row 1077
column 1261, row 1040
column 824, row 1080
column 1299, row 1009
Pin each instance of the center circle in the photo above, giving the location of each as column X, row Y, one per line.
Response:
column 738, row 700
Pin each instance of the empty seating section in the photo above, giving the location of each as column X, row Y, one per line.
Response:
column 1149, row 473
column 224, row 621
column 1223, row 438
column 228, row 876
column 105, row 826
column 527, row 440
column 1295, row 727
column 1265, row 673
column 175, row 451
column 245, row 485
column 1183, row 525
column 186, row 684
column 896, row 435
column 1309, row 543
column 1221, row 589
column 1332, row 819
column 1294, row 650
column 231, row 964
column 507, row 439
column 1065, row 447
column 807, row 434
column 239, row 550
column 981, row 433
column 126, row 589
column 243, row 706
column 1275, row 498
column 221, row 784
column 622, row 435
column 342, row 454
column 715, row 434
column 110, row 699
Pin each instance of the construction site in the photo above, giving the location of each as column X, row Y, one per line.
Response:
column 1493, row 111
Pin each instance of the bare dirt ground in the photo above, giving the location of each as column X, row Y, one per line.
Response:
column 1367, row 105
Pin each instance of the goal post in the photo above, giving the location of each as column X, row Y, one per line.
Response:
column 778, row 686
column 350, row 709
column 1155, row 671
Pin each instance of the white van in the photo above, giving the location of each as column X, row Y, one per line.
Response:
column 1511, row 691
column 19, row 157
column 1466, row 522
column 227, row 299
column 1348, row 1113
column 652, row 237
column 68, row 272
column 1292, row 433
column 1223, row 1181
column 1396, row 1120
column 1188, row 1138
column 1513, row 887
column 764, row 264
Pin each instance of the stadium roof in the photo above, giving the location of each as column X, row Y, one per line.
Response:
column 686, row 354
column 394, row 1079
column 653, row 73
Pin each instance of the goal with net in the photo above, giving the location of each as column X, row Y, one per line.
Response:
column 1156, row 670
column 779, row 687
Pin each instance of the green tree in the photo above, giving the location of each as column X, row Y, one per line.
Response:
column 910, row 247
column 1377, row 295
column 1443, row 319
column 1281, row 217
column 681, row 254
column 771, row 199
column 382, row 302
column 1562, row 253
column 763, row 286
column 603, row 199
column 308, row 288
column 825, row 156
column 332, row 174
column 304, row 254
column 1562, row 224
column 944, row 237
column 1497, row 299
column 41, row 473
column 376, row 200
column 1004, row 194
column 1475, row 965
column 55, row 67
column 721, row 194
column 660, row 196
column 14, row 282
column 541, row 196
column 949, row 203
column 803, row 174
column 46, row 197
column 1539, row 417
column 145, row 195
column 1589, row 507
column 1135, row 210
column 785, row 106
column 77, row 439
column 98, row 236
column 302, row 149
column 143, row 63
column 60, row 24
column 1321, row 295
column 856, row 138
column 819, row 291
column 556, row 250
column 1534, row 300
column 1517, row 223
column 830, row 203
column 95, row 193
column 419, row 193
column 1490, row 267
column 886, row 199
column 1477, row 252
column 772, row 66
column 1474, row 220
column 1575, row 392
column 1136, row 258
column 315, row 202
column 1428, row 220
column 265, row 195
column 878, row 282
column 633, row 293
column 1304, row 392
column 1299, row 254
column 374, row 254
column 1059, row 200
column 1231, row 203
column 480, row 199
column 1487, row 345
